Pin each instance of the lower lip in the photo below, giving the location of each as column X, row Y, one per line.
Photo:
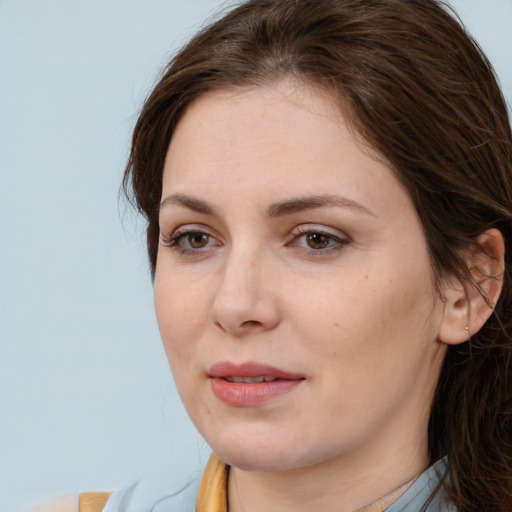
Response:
column 249, row 395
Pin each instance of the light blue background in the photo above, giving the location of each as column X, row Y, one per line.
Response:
column 86, row 398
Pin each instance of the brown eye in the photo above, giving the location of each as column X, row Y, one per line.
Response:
column 198, row 240
column 318, row 240
column 190, row 241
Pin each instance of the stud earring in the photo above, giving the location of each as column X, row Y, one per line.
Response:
column 467, row 330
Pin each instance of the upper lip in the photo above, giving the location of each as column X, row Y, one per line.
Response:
column 250, row 369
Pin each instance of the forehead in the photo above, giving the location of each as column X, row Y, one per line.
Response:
column 271, row 121
column 284, row 138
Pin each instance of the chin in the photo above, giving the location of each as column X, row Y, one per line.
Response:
column 266, row 455
column 248, row 460
column 253, row 453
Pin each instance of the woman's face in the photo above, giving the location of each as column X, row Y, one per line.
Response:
column 293, row 288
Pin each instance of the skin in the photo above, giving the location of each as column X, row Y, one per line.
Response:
column 358, row 318
column 60, row 504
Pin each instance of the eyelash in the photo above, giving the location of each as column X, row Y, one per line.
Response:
column 335, row 243
column 173, row 242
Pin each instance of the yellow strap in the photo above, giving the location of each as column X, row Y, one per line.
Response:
column 92, row 501
column 212, row 496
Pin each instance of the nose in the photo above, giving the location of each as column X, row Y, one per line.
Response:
column 246, row 297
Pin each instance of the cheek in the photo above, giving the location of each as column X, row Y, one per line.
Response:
column 180, row 317
column 181, row 321
column 369, row 346
column 367, row 314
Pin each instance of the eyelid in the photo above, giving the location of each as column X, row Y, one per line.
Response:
column 336, row 239
column 319, row 228
column 339, row 238
column 172, row 241
column 189, row 228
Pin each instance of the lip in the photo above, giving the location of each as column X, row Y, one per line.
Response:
column 250, row 369
column 238, row 394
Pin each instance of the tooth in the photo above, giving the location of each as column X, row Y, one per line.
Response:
column 234, row 379
column 250, row 380
column 254, row 380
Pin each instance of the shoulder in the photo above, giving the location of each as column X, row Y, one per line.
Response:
column 155, row 495
column 428, row 489
column 60, row 504
column 143, row 496
column 84, row 502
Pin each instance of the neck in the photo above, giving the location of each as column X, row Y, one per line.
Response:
column 340, row 485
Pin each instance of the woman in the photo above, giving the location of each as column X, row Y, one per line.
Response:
column 328, row 193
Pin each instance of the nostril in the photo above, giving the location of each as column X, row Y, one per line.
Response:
column 250, row 323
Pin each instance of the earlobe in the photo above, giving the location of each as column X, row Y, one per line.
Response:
column 468, row 305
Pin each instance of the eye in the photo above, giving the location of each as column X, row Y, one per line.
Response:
column 194, row 240
column 317, row 240
column 189, row 240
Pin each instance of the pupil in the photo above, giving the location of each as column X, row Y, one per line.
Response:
column 317, row 240
column 198, row 240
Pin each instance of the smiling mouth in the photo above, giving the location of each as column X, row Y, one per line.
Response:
column 250, row 373
column 251, row 384
column 251, row 380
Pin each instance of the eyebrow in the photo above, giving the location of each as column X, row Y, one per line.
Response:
column 196, row 205
column 310, row 202
column 279, row 209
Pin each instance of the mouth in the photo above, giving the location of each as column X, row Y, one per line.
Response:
column 251, row 380
column 251, row 384
column 250, row 372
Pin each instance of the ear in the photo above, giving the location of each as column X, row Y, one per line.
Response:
column 468, row 305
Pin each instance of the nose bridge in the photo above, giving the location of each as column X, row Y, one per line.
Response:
column 244, row 299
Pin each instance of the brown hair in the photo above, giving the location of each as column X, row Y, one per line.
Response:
column 420, row 91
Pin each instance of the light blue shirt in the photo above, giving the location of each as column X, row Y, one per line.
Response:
column 149, row 496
